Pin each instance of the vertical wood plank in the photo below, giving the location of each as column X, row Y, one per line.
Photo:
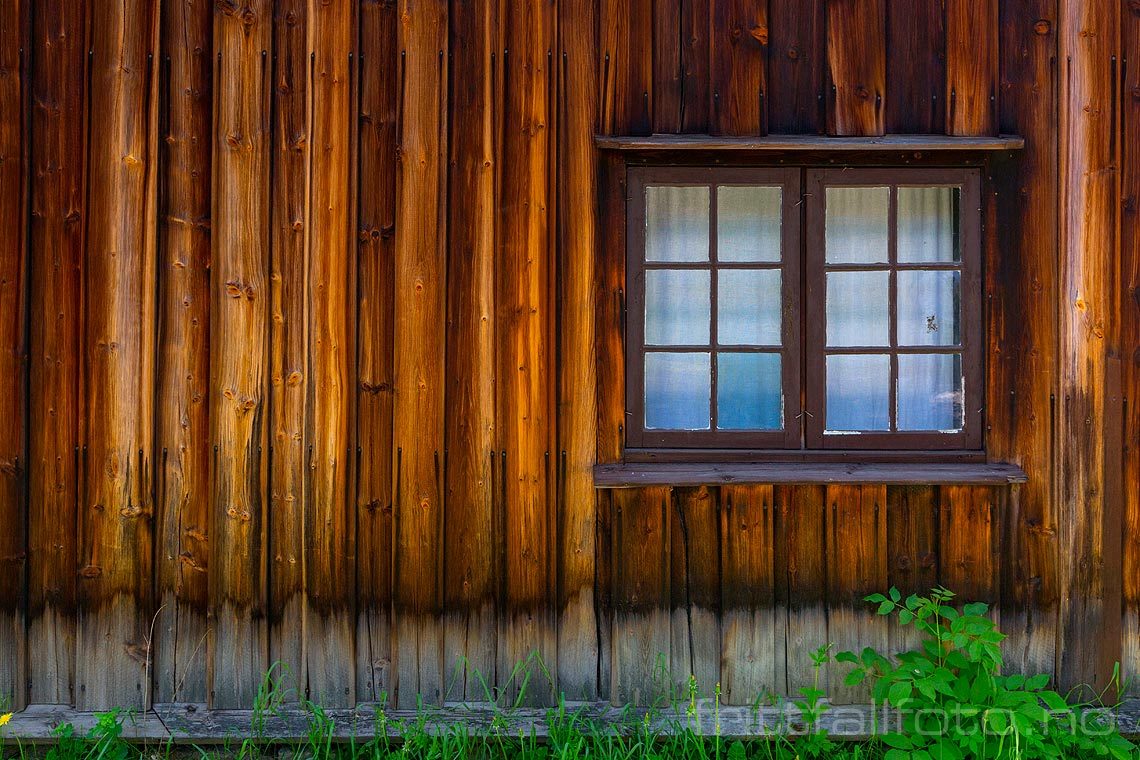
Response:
column 470, row 540
column 967, row 534
column 379, row 83
column 971, row 67
column 1088, row 642
column 796, row 59
column 916, row 66
column 610, row 310
column 116, row 550
column 1130, row 333
column 626, row 66
column 856, row 567
column 749, row 625
column 578, row 642
column 604, row 590
column 183, row 432
column 239, row 354
column 668, row 73
column 13, row 345
column 289, row 367
column 857, row 67
column 739, row 49
column 1021, row 289
column 330, row 544
column 694, row 586
column 56, row 252
column 525, row 313
column 912, row 551
column 695, row 60
column 641, row 629
column 802, row 557
column 420, row 314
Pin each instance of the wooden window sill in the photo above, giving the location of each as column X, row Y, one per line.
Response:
column 809, row 143
column 637, row 474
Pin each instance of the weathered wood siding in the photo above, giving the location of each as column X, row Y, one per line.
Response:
column 311, row 332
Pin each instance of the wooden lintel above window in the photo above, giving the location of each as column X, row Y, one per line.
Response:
column 672, row 142
column 634, row 475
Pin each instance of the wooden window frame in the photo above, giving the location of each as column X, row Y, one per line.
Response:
column 804, row 318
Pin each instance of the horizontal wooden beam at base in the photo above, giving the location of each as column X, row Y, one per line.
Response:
column 636, row 475
column 809, row 143
column 193, row 725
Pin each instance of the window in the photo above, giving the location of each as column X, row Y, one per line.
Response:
column 804, row 309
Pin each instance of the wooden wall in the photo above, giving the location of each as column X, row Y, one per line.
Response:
column 310, row 337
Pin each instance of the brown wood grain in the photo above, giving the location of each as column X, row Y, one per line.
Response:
column 750, row 624
column 116, row 538
column 182, row 435
column 610, row 309
column 379, row 93
column 796, row 64
column 420, row 316
column 668, row 66
column 330, row 543
column 801, row 560
column 469, row 537
column 912, row 551
column 577, row 360
column 857, row 67
column 239, row 368
column 14, row 165
column 1088, row 517
column 625, row 66
column 56, row 250
column 971, row 67
column 695, row 60
column 738, row 40
column 916, row 66
column 1021, row 289
column 695, row 590
column 968, row 528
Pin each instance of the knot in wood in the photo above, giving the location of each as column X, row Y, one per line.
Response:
column 1041, row 27
column 793, row 53
column 294, row 378
column 91, row 571
column 760, row 34
column 862, row 92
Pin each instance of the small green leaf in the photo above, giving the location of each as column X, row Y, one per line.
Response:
column 895, row 594
column 898, row 741
column 886, row 607
column 1037, row 682
column 900, row 691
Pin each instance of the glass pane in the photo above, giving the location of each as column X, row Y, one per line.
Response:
column 929, row 305
column 928, row 224
column 677, row 391
column 858, row 312
column 930, row 392
column 749, row 392
column 748, row 307
column 676, row 307
column 676, row 224
column 748, row 224
column 858, row 392
column 856, row 226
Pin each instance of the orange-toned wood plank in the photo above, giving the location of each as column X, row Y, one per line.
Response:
column 420, row 309
column 739, row 52
column 182, row 407
column 625, row 66
column 56, row 242
column 912, row 551
column 750, row 625
column 610, row 310
column 239, row 367
column 379, row 83
column 857, row 66
column 14, row 142
column 797, row 58
column 694, row 588
column 916, row 58
column 116, row 545
column 971, row 67
column 968, row 530
column 577, row 369
column 470, row 538
column 801, row 589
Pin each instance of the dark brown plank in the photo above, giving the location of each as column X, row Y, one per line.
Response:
column 1088, row 516
column 739, row 49
column 610, row 303
column 968, row 530
column 668, row 68
column 14, row 163
column 694, row 560
column 641, row 629
column 750, row 626
column 330, row 517
column 626, row 66
column 379, row 93
column 802, row 559
column 1021, row 288
column 916, row 66
column 857, row 66
column 604, row 590
column 820, row 143
column 289, row 367
column 182, row 407
column 56, row 250
column 856, row 566
column 637, row 474
column 797, row 58
column 420, row 316
column 116, row 545
column 239, row 365
column 577, row 361
column 912, row 550
column 971, row 67
column 470, row 537
column 695, row 61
